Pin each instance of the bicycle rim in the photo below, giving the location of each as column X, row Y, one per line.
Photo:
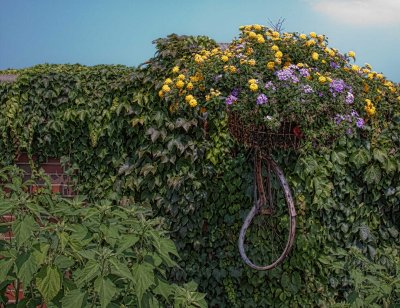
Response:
column 270, row 227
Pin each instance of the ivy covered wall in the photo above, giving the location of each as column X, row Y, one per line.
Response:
column 116, row 137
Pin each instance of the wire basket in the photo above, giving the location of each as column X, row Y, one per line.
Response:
column 288, row 136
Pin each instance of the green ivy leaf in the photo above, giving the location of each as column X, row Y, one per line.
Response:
column 143, row 276
column 360, row 158
column 74, row 299
column 379, row 155
column 48, row 282
column 372, row 174
column 106, row 290
column 339, row 157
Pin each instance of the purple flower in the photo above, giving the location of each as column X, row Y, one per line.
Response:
column 304, row 72
column 334, row 65
column 287, row 74
column 337, row 86
column 307, row 89
column 354, row 113
column 262, row 99
column 235, row 92
column 320, row 94
column 349, row 131
column 231, row 99
column 349, row 98
column 269, row 84
column 360, row 122
column 338, row 119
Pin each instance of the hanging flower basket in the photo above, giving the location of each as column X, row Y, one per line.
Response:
column 287, row 136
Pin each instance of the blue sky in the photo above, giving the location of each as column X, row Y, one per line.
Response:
column 121, row 31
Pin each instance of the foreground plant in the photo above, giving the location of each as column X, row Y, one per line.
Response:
column 69, row 253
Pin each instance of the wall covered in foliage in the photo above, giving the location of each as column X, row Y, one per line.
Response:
column 116, row 137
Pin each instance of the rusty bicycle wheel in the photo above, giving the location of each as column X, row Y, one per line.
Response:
column 272, row 219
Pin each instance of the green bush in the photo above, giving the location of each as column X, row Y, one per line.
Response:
column 70, row 253
column 116, row 136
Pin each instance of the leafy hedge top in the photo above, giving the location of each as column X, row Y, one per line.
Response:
column 272, row 77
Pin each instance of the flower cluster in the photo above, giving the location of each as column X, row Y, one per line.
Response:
column 273, row 77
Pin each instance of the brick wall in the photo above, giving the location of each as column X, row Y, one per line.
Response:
column 59, row 185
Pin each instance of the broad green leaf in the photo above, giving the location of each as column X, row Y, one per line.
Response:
column 339, row 157
column 380, row 155
column 105, row 289
column 120, row 268
column 126, row 241
column 164, row 288
column 48, row 282
column 74, row 299
column 6, row 206
column 40, row 252
column 5, row 266
column 143, row 276
column 91, row 270
column 23, row 229
column 27, row 266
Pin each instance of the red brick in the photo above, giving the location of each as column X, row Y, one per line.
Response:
column 56, row 188
column 52, row 168
column 53, row 160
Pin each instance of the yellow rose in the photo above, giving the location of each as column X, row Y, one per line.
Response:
column 249, row 51
column 181, row 77
column 320, row 37
column 257, row 27
column 322, row 79
column 370, row 110
column 253, row 87
column 355, row 67
column 379, row 76
column 260, row 39
column 251, row 81
column 224, row 58
column 278, row 54
column 278, row 61
column 310, row 43
column 315, row 56
column 275, row 48
column 198, row 59
column 232, row 69
column 252, row 62
column 194, row 79
column 188, row 98
column 271, row 65
column 180, row 84
column 166, row 88
column 351, row 54
column 175, row 69
column 193, row 103
column 168, row 81
column 189, row 86
column 160, row 93
column 252, row 35
column 275, row 34
column 398, row 98
column 303, row 36
column 300, row 65
column 313, row 34
column 368, row 101
column 371, row 76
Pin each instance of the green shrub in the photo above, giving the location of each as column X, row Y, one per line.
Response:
column 70, row 253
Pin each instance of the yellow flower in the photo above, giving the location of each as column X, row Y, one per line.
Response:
column 313, row 34
column 198, row 59
column 252, row 62
column 224, row 58
column 367, row 65
column 320, row 37
column 180, row 84
column 168, row 81
column 329, row 79
column 189, row 86
column 260, row 39
column 278, row 54
column 275, row 34
column 278, row 61
column 379, row 76
column 271, row 65
column 351, row 54
column 232, row 69
column 193, row 103
column 275, row 48
column 175, row 69
column 371, row 75
column 194, row 79
column 303, row 36
column 398, row 98
column 368, row 101
column 247, row 28
column 252, row 35
column 315, row 56
column 253, row 87
column 300, row 65
column 251, row 81
column 188, row 98
column 166, row 88
column 323, row 61
column 322, row 79
column 370, row 109
column 310, row 43
column 160, row 93
column 257, row 27
column 249, row 51
column 355, row 67
column 181, row 77
column 243, row 61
